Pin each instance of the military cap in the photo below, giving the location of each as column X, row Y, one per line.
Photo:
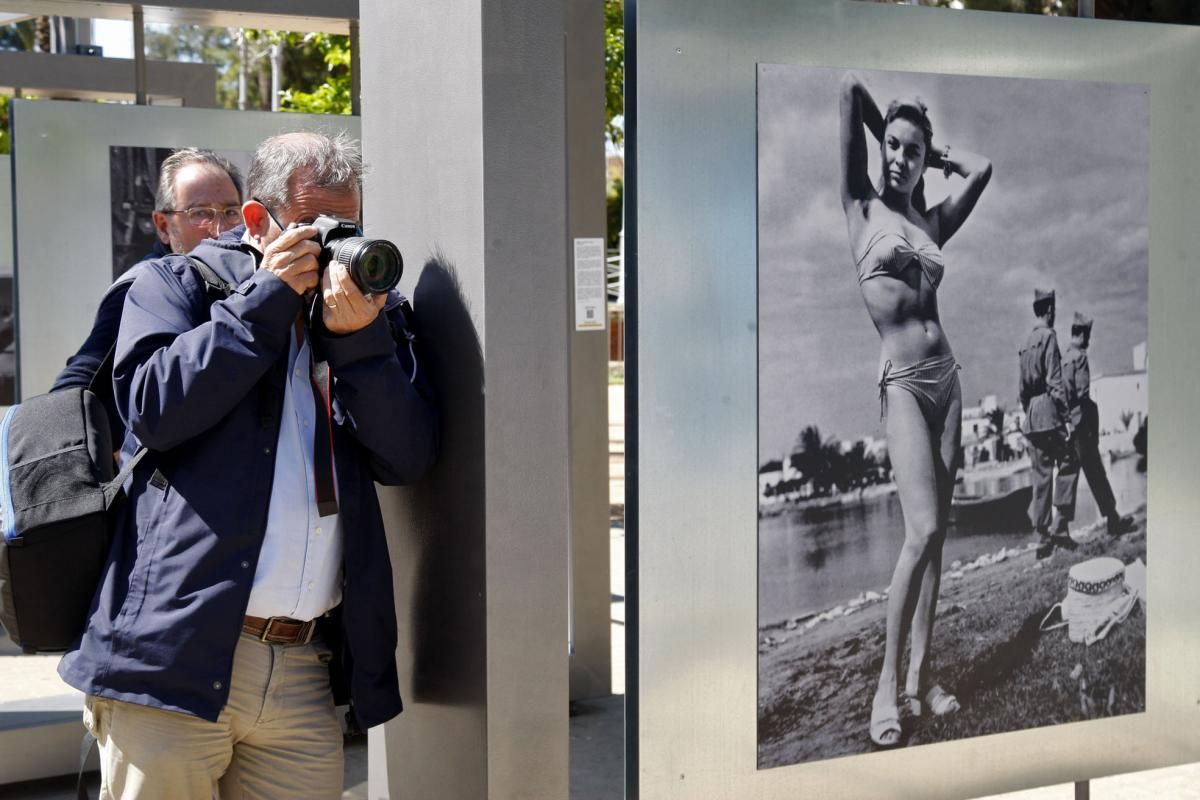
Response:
column 1082, row 322
column 1039, row 295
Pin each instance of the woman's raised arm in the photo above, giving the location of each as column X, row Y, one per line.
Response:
column 857, row 108
column 976, row 171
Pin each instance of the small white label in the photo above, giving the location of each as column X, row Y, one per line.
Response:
column 590, row 286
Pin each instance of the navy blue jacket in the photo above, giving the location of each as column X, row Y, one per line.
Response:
column 199, row 381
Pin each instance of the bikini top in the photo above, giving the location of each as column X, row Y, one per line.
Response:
column 890, row 252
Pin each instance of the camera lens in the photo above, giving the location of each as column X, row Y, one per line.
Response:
column 374, row 264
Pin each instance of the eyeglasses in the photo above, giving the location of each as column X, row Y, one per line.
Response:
column 229, row 217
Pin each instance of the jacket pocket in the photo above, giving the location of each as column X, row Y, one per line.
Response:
column 144, row 558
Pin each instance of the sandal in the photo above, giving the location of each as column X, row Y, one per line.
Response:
column 937, row 700
column 885, row 725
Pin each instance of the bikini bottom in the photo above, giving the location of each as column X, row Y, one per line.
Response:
column 930, row 380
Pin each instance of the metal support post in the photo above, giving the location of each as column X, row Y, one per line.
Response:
column 139, row 55
column 355, row 71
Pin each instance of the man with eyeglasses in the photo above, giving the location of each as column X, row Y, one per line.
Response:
column 199, row 197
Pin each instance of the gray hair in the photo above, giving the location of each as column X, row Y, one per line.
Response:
column 325, row 161
column 164, row 198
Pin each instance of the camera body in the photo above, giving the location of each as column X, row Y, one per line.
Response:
column 375, row 265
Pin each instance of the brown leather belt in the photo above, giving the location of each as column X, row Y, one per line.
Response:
column 279, row 630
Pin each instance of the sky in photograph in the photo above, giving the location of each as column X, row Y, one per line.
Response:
column 1067, row 208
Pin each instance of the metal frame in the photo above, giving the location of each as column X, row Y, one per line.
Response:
column 692, row 399
column 632, row 438
column 322, row 16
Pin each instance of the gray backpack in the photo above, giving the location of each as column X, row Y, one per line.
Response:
column 58, row 488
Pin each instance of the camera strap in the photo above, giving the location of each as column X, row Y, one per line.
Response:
column 326, row 489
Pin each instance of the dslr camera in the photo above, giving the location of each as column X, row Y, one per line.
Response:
column 374, row 264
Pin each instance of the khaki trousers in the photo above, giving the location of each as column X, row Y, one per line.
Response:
column 278, row 737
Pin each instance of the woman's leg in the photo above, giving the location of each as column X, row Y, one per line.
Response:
column 948, row 440
column 911, row 449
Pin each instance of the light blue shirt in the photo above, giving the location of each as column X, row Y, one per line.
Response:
column 299, row 571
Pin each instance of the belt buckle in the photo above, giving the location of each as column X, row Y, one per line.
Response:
column 270, row 638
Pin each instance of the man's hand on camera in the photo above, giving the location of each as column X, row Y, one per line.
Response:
column 344, row 308
column 292, row 256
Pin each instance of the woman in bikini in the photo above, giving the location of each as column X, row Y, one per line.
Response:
column 896, row 244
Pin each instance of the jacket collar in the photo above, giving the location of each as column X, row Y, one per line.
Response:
column 231, row 258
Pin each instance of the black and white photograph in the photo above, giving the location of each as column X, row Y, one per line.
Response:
column 953, row 406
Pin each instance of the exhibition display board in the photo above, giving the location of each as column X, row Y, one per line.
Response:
column 83, row 183
column 864, row 568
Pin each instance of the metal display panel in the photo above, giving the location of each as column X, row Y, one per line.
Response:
column 8, row 359
column 694, row 332
column 6, row 217
column 61, row 164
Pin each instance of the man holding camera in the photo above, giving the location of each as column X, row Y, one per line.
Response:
column 249, row 571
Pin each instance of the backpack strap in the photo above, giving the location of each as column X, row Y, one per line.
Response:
column 213, row 284
column 85, row 750
column 407, row 333
column 101, row 382
column 212, row 281
column 112, row 489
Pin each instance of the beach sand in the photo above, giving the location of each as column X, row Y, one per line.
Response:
column 817, row 675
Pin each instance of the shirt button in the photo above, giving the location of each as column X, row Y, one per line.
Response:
column 245, row 565
column 217, row 685
column 310, row 586
column 317, row 531
column 267, row 450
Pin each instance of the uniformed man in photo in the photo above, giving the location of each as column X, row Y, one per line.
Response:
column 1084, row 443
column 1047, row 418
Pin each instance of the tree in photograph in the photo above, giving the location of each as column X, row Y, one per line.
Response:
column 995, row 419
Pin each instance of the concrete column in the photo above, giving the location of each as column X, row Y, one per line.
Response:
column 465, row 135
column 591, row 594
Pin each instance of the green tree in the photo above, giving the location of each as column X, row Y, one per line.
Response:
column 614, row 69
column 329, row 82
column 18, row 36
column 202, row 45
column 614, row 202
column 5, row 140
column 315, row 73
